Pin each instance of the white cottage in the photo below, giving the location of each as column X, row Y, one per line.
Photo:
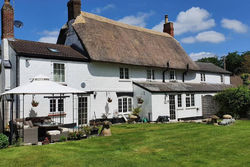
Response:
column 116, row 64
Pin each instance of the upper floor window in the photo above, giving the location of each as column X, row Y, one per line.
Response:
column 59, row 72
column 150, row 74
column 203, row 77
column 124, row 73
column 190, row 100
column 222, row 78
column 172, row 75
column 179, row 100
column 124, row 104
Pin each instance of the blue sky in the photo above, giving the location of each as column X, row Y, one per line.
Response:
column 203, row 27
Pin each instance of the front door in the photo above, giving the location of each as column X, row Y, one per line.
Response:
column 82, row 110
column 172, row 107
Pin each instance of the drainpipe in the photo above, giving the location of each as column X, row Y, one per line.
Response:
column 163, row 74
column 185, row 73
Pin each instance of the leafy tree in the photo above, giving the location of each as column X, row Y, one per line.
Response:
column 215, row 60
column 246, row 62
column 234, row 101
column 234, row 62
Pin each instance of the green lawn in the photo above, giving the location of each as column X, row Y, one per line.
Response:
column 180, row 144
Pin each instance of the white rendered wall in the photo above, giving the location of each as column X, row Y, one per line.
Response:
column 146, row 106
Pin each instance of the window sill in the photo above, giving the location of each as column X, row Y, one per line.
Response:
column 180, row 108
column 55, row 114
column 125, row 80
column 190, row 108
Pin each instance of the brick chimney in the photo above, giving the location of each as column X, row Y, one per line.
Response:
column 168, row 27
column 7, row 20
column 74, row 9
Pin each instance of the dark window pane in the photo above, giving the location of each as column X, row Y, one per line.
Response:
column 121, row 73
column 126, row 73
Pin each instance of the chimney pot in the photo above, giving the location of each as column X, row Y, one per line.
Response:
column 166, row 19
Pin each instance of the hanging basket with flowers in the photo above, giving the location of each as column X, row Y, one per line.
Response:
column 140, row 100
column 34, row 103
column 109, row 100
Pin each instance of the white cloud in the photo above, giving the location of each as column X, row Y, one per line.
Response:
column 49, row 36
column 102, row 9
column 194, row 19
column 137, row 20
column 159, row 27
column 207, row 36
column 200, row 55
column 234, row 25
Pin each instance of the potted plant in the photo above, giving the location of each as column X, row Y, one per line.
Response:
column 140, row 100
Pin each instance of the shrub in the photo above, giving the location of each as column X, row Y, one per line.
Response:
column 72, row 136
column 87, row 130
column 4, row 141
column 234, row 101
column 137, row 110
column 62, row 139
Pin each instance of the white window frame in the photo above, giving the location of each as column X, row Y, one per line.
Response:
column 203, row 77
column 55, row 106
column 171, row 79
column 179, row 101
column 122, row 73
column 127, row 103
column 53, row 71
column 191, row 98
column 150, row 74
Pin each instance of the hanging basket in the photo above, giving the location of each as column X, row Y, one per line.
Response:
column 34, row 103
column 109, row 100
column 140, row 100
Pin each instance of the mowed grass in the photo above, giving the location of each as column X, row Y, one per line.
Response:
column 147, row 145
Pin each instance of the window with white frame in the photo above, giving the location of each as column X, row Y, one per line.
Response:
column 190, row 100
column 59, row 72
column 203, row 77
column 124, row 73
column 124, row 104
column 222, row 78
column 150, row 74
column 179, row 100
column 56, row 105
column 172, row 75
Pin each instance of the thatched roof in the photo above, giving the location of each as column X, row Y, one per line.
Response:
column 159, row 87
column 110, row 41
column 210, row 67
column 43, row 50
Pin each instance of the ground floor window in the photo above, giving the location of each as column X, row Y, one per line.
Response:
column 179, row 100
column 124, row 104
column 190, row 100
column 56, row 105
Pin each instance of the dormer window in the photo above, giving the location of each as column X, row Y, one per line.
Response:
column 53, row 50
column 172, row 75
column 203, row 77
column 150, row 74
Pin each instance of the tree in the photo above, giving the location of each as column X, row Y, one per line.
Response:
column 234, row 101
column 215, row 60
column 234, row 62
column 246, row 62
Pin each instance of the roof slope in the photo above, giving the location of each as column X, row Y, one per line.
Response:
column 110, row 41
column 181, row 87
column 210, row 67
column 41, row 50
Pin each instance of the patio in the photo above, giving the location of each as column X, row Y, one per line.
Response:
column 34, row 129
